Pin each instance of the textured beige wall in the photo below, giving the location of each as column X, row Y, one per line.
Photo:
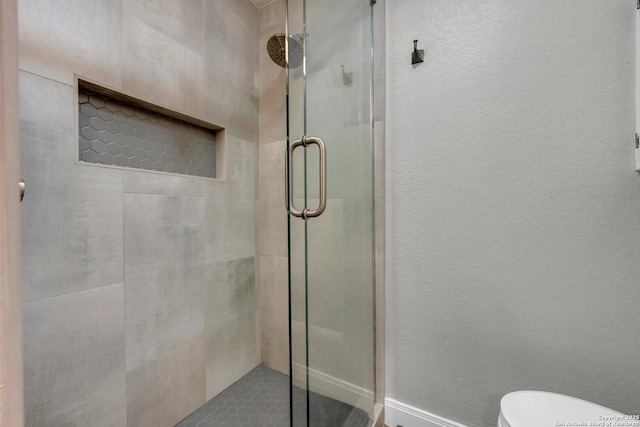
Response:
column 140, row 293
column 11, row 384
column 512, row 222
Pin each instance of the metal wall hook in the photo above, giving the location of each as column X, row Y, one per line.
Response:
column 417, row 56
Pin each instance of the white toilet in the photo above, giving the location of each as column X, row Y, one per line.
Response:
column 543, row 409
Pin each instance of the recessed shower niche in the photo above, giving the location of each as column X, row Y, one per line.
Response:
column 117, row 130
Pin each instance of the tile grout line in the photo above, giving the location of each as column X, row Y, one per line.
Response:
column 73, row 292
column 124, row 298
column 44, row 77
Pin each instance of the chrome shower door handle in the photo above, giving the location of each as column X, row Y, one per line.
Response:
column 287, row 180
column 306, row 141
column 306, row 213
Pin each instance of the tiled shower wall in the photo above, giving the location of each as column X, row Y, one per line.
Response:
column 139, row 287
column 274, row 319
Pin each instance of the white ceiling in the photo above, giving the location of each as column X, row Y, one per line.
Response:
column 261, row 3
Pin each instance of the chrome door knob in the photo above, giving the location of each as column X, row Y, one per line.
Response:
column 23, row 187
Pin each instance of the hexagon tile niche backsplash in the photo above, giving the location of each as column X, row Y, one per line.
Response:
column 116, row 133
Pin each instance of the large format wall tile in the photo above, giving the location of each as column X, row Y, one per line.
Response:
column 274, row 344
column 231, row 59
column 230, row 226
column 74, row 359
column 242, row 168
column 159, row 69
column 71, row 214
column 231, row 306
column 272, row 111
column 166, row 390
column 273, row 126
column 168, row 185
column 231, row 352
column 63, row 37
column 230, row 289
column 274, row 289
column 72, row 232
column 164, row 274
column 231, row 217
column 274, row 312
column 179, row 20
column 47, row 109
column 273, row 214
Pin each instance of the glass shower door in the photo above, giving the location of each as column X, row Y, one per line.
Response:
column 330, row 205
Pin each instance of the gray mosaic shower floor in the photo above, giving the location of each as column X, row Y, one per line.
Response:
column 261, row 399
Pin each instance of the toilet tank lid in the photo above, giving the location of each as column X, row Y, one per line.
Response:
column 530, row 408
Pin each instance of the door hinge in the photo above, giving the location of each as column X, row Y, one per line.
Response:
column 638, row 5
column 374, row 2
column 637, row 141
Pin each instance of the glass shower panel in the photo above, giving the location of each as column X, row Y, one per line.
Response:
column 332, row 255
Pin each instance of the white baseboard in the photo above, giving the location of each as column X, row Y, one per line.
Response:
column 334, row 388
column 400, row 414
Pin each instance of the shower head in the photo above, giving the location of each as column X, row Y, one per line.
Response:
column 276, row 50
